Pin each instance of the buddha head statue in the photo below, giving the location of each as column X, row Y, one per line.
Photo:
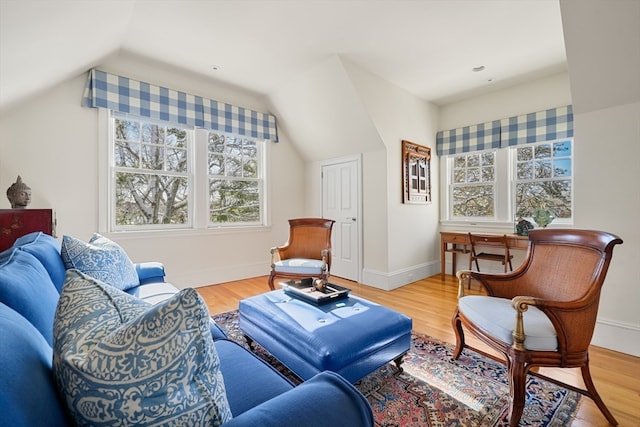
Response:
column 19, row 194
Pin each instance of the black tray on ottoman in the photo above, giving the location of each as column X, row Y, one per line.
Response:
column 305, row 290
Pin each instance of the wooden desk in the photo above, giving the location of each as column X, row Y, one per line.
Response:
column 459, row 241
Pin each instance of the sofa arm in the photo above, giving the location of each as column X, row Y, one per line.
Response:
column 327, row 399
column 150, row 272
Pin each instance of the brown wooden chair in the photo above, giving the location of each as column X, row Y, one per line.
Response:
column 307, row 253
column 542, row 314
column 490, row 240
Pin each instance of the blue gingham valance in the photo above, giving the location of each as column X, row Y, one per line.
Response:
column 469, row 138
column 104, row 90
column 548, row 125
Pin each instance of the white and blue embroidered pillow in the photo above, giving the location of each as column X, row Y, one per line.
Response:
column 120, row 361
column 100, row 258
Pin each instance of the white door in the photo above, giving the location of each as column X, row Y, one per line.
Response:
column 341, row 202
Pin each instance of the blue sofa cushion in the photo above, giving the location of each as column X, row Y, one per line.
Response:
column 266, row 382
column 100, row 258
column 47, row 249
column 29, row 396
column 121, row 361
column 26, row 287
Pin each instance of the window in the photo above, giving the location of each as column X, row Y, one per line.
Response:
column 151, row 179
column 473, row 185
column 543, row 178
column 235, row 184
column 161, row 174
column 505, row 184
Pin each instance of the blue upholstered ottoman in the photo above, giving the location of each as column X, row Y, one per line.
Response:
column 352, row 336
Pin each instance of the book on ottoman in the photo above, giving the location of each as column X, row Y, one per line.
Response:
column 315, row 290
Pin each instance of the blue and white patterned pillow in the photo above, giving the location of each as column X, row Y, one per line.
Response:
column 121, row 361
column 100, row 258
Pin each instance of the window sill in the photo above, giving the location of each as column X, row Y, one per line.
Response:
column 183, row 232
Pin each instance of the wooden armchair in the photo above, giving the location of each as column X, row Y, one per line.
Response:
column 307, row 253
column 542, row 314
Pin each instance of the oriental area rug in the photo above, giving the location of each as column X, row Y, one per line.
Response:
column 434, row 390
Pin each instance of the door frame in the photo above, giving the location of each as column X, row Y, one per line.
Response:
column 357, row 158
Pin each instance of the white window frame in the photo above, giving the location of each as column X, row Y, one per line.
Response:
column 513, row 178
column 504, row 198
column 502, row 208
column 198, row 188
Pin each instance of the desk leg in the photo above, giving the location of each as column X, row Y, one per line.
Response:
column 443, row 256
column 453, row 263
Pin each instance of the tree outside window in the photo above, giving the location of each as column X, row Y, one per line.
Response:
column 544, row 179
column 151, row 174
column 235, row 179
column 473, row 185
column 158, row 171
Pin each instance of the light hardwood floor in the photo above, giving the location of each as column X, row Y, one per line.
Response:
column 430, row 303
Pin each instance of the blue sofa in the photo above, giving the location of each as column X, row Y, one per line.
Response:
column 32, row 274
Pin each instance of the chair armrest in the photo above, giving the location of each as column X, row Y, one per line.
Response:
column 275, row 256
column 502, row 285
column 327, row 399
column 150, row 272
column 559, row 312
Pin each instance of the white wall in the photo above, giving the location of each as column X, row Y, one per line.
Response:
column 601, row 38
column 607, row 197
column 52, row 142
column 538, row 95
column 411, row 230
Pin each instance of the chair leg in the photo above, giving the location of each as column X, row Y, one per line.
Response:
column 271, row 278
column 517, row 390
column 593, row 394
column 457, row 328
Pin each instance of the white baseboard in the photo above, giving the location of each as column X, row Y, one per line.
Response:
column 390, row 281
column 617, row 336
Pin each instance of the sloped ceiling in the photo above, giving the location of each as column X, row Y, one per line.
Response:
column 288, row 50
column 603, row 49
column 322, row 111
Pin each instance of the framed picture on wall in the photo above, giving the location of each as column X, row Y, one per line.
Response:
column 416, row 170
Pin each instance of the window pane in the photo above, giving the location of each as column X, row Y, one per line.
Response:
column 562, row 149
column 473, row 175
column 555, row 195
column 460, row 162
column 473, row 201
column 543, row 169
column 473, row 160
column 524, row 154
column 151, row 199
column 176, row 137
column 562, row 167
column 488, row 159
column 542, row 151
column 216, row 164
column 234, row 201
column 176, row 159
column 127, row 154
column 525, row 170
column 488, row 174
column 459, row 175
column 152, row 134
column 128, row 130
column 216, row 142
column 152, row 157
column 234, row 179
